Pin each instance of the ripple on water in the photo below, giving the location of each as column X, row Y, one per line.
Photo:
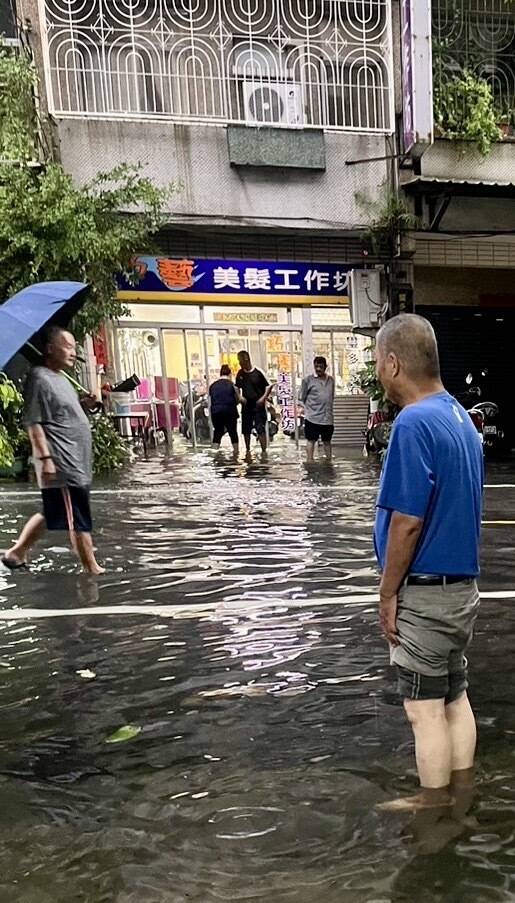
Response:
column 270, row 726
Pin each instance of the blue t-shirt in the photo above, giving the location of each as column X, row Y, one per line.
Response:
column 434, row 470
column 223, row 397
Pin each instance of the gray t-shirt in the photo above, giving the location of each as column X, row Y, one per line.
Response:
column 317, row 396
column 53, row 403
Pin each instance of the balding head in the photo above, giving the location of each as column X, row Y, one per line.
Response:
column 412, row 340
column 60, row 349
column 407, row 355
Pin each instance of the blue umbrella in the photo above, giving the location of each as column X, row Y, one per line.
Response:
column 37, row 306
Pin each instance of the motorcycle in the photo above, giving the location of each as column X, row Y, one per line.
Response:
column 200, row 417
column 379, row 427
column 484, row 415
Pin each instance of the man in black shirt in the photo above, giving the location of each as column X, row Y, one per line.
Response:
column 255, row 390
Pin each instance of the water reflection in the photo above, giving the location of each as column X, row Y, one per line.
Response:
column 237, row 628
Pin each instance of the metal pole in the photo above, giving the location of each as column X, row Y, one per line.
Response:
column 294, row 387
column 166, row 394
column 190, row 389
column 206, row 368
column 333, row 360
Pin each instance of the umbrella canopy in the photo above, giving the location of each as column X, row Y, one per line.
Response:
column 37, row 306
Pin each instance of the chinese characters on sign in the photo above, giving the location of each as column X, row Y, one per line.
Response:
column 239, row 317
column 279, row 280
column 263, row 279
column 286, row 402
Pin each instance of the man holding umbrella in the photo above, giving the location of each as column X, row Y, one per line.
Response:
column 60, row 436
column 56, row 422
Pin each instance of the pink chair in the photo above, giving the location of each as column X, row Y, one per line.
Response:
column 144, row 390
column 174, row 403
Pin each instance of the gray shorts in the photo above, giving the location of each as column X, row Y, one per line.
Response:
column 435, row 626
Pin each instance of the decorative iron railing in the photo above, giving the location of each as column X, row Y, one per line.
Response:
column 293, row 63
column 478, row 36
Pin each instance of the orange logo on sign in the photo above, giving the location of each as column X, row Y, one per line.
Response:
column 176, row 273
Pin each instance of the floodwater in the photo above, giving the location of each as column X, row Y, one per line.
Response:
column 236, row 629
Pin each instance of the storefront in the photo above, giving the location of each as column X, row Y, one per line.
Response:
column 188, row 317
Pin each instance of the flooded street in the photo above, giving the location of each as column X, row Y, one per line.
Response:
column 236, row 628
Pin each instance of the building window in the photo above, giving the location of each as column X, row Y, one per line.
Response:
column 479, row 37
column 304, row 63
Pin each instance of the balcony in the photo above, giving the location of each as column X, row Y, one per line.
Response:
column 474, row 91
column 300, row 64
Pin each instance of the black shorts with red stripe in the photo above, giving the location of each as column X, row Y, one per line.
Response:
column 67, row 509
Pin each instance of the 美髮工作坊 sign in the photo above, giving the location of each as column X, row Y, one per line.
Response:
column 236, row 281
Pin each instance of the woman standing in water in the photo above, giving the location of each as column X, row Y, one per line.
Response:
column 224, row 400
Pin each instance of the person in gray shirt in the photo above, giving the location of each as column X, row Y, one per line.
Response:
column 60, row 436
column 317, row 397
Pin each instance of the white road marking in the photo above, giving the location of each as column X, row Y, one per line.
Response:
column 218, row 609
column 219, row 487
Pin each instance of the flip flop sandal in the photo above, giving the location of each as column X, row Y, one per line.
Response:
column 13, row 565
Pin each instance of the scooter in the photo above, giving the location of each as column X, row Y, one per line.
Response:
column 379, row 427
column 484, row 415
column 200, row 417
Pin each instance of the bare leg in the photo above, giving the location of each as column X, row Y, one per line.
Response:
column 433, row 752
column 262, row 441
column 247, row 442
column 31, row 533
column 433, row 745
column 328, row 450
column 310, row 451
column 236, row 449
column 462, row 730
column 84, row 546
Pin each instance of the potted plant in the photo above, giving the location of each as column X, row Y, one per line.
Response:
column 464, row 110
column 14, row 443
column 367, row 382
column 505, row 125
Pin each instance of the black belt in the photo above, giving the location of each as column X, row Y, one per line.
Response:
column 437, row 579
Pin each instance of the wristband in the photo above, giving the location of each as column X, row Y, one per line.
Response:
column 46, row 458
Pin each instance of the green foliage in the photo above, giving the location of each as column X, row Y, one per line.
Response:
column 18, row 121
column 110, row 453
column 464, row 109
column 367, row 381
column 51, row 229
column 13, row 439
column 391, row 218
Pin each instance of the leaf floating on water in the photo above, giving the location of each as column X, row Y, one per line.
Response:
column 86, row 674
column 127, row 732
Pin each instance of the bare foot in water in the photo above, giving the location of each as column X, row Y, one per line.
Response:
column 428, row 799
column 96, row 571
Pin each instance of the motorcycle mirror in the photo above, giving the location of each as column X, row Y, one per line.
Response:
column 469, row 378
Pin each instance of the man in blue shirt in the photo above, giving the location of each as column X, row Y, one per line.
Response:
column 427, row 543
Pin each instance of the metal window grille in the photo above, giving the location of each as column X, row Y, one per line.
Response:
column 477, row 35
column 293, row 63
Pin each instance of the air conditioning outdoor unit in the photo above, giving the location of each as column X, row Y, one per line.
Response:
column 278, row 103
column 365, row 300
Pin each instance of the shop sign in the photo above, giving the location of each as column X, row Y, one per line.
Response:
column 417, row 75
column 194, row 279
column 239, row 317
column 285, row 398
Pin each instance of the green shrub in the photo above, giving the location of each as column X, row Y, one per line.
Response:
column 110, row 452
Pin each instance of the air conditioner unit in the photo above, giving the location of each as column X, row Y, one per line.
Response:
column 279, row 103
column 365, row 299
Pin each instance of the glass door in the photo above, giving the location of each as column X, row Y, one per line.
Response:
column 193, row 358
column 281, row 360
